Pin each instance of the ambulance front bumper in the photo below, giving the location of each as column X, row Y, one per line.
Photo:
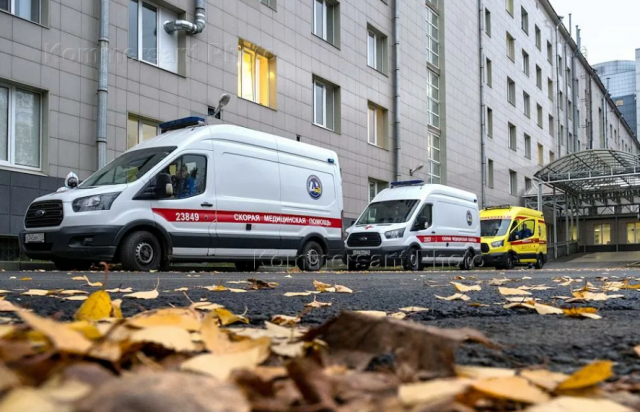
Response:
column 93, row 243
column 384, row 256
column 494, row 259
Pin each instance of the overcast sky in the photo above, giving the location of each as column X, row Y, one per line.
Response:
column 610, row 29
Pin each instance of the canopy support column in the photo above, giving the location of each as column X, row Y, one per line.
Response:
column 555, row 224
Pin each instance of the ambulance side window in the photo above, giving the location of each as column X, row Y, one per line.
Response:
column 426, row 213
column 527, row 229
column 188, row 176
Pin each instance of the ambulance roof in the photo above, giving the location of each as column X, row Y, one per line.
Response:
column 510, row 211
column 183, row 138
column 421, row 192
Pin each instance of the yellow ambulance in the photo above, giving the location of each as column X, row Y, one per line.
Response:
column 513, row 236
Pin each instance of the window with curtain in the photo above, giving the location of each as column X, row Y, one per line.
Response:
column 140, row 130
column 376, row 125
column 254, row 75
column 20, row 127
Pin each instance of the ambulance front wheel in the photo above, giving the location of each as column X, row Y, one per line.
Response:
column 140, row 252
column 312, row 257
column 413, row 260
column 539, row 262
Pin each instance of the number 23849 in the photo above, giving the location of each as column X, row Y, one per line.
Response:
column 187, row 217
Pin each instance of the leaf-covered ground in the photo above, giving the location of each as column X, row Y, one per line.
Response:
column 540, row 328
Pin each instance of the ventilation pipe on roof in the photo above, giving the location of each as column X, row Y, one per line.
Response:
column 184, row 25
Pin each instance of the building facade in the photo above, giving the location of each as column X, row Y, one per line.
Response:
column 620, row 78
column 458, row 81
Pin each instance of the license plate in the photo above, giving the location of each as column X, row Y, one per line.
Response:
column 361, row 252
column 34, row 238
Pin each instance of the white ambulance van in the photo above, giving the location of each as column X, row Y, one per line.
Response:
column 413, row 224
column 196, row 193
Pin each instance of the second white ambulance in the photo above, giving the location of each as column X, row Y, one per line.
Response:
column 415, row 224
column 196, row 193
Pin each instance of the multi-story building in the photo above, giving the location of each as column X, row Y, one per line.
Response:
column 620, row 78
column 477, row 95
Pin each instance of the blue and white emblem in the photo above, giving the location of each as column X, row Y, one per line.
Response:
column 469, row 218
column 314, row 187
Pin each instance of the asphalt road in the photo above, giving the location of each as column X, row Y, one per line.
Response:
column 560, row 342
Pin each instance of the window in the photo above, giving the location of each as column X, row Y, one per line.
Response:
column 27, row 9
column 376, row 125
column 375, row 187
column 561, row 137
column 20, row 128
column 148, row 41
column 528, row 184
column 434, row 159
column 256, row 74
column 433, row 93
column 525, row 62
column 489, row 73
column 511, row 90
column 549, row 53
column 513, row 137
column 487, row 22
column 489, row 122
column 427, row 213
column 513, row 183
column 490, row 173
column 561, row 100
column 140, row 130
column 552, row 157
column 188, row 176
column 560, row 67
column 540, row 121
column 602, row 234
column 527, row 104
column 509, row 6
column 538, row 38
column 551, row 126
column 633, row 233
column 433, row 38
column 578, row 118
column 601, row 121
column 550, row 91
column 269, row 3
column 540, row 155
column 511, row 47
column 527, row 146
column 570, row 110
column 376, row 50
column 325, row 104
column 525, row 20
column 326, row 21
column 538, row 77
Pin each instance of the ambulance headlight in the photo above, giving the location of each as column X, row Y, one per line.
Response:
column 93, row 203
column 497, row 244
column 394, row 234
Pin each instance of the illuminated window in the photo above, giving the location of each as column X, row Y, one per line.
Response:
column 376, row 125
column 602, row 234
column 140, row 130
column 256, row 75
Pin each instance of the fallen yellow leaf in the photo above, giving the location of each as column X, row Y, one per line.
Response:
column 499, row 282
column 88, row 329
column 26, row 278
column 464, row 288
column 317, row 304
column 398, row 315
column 116, row 309
column 342, row 289
column 61, row 336
column 29, row 399
column 590, row 375
column 513, row 388
column 432, row 392
column 183, row 318
column 181, row 290
column 93, row 284
column 120, row 290
column 457, row 296
column 206, row 306
column 527, row 304
column 232, row 290
column 294, row 294
column 591, row 296
column 218, row 342
column 96, row 307
column 319, row 286
column 148, row 295
column 74, row 292
column 227, row 317
column 568, row 404
column 481, row 372
column 169, row 337
column 543, row 378
column 217, row 288
column 414, row 309
column 374, row 313
column 221, row 366
column 77, row 298
column 37, row 292
column 590, row 313
column 6, row 306
column 78, row 278
column 513, row 292
column 548, row 310
column 637, row 350
column 284, row 320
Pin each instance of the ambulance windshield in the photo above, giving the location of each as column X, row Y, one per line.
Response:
column 388, row 212
column 494, row 227
column 127, row 168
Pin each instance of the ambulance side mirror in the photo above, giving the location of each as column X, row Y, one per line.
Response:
column 163, row 186
column 422, row 222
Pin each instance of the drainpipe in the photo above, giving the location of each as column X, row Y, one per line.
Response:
column 576, row 94
column 186, row 26
column 590, row 112
column 483, row 105
column 103, row 83
column 567, row 81
column 559, row 122
column 396, row 89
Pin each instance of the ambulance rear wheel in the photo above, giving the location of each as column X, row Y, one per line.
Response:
column 140, row 252
column 539, row 262
column 468, row 262
column 312, row 257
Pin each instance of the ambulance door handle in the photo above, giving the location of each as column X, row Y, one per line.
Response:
column 433, row 232
column 206, row 204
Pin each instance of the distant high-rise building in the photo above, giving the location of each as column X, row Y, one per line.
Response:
column 619, row 77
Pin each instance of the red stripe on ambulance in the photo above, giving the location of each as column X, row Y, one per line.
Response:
column 224, row 216
column 448, row 239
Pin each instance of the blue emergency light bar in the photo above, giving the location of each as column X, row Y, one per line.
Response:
column 181, row 123
column 407, row 183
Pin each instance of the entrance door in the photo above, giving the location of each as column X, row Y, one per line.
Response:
column 190, row 214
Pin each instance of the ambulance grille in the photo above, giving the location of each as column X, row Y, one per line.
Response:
column 44, row 214
column 364, row 240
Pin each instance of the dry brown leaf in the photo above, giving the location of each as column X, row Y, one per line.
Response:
column 37, row 292
column 120, row 290
column 61, row 336
column 513, row 292
column 543, row 378
column 257, row 284
column 457, row 296
column 169, row 337
column 464, row 288
column 342, row 289
column 317, row 304
column 92, row 284
column 414, row 309
column 96, row 307
column 568, row 404
column 439, row 390
column 4, row 331
column 548, row 310
column 284, row 320
column 183, row 318
column 74, row 292
column 590, row 375
column 227, row 317
column 512, row 388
